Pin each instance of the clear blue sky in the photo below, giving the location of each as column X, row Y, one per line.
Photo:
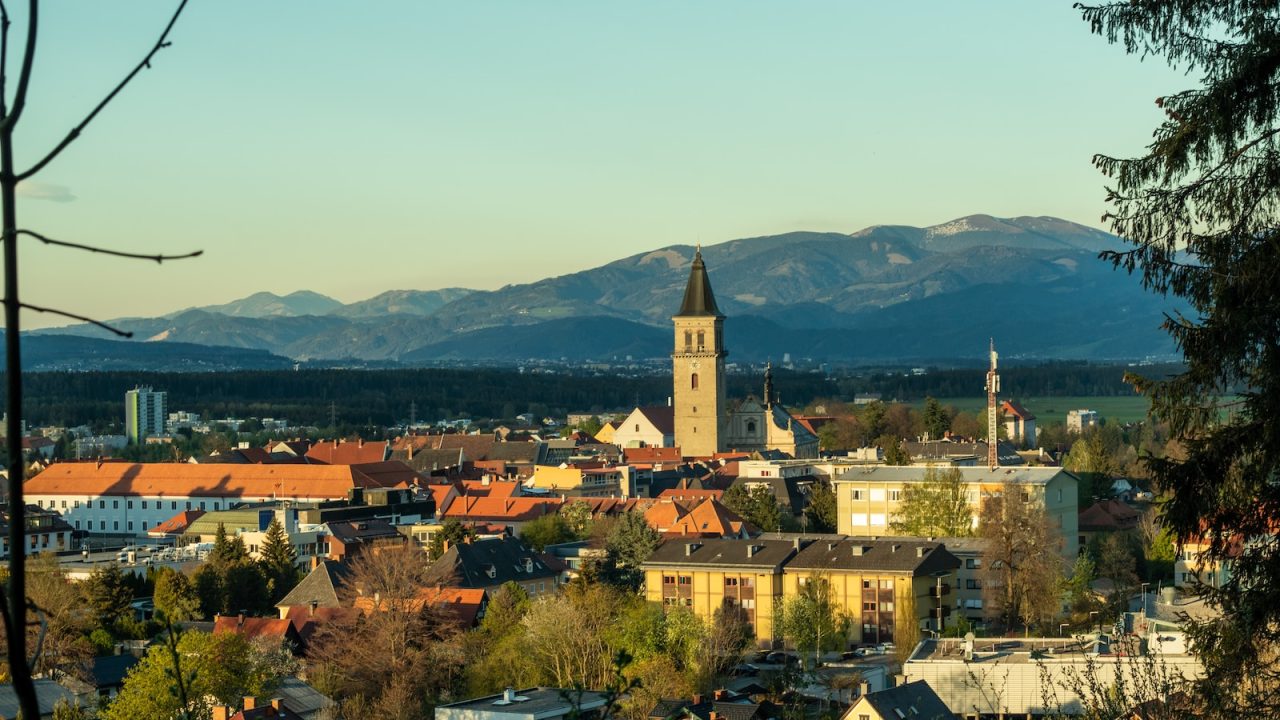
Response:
column 351, row 148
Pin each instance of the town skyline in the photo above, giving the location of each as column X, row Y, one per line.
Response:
column 426, row 147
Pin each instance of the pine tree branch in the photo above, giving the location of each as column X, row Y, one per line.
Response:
column 161, row 43
column 24, row 74
column 73, row 316
column 105, row 251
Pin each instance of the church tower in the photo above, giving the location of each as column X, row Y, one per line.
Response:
column 697, row 365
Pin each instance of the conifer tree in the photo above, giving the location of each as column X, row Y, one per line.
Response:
column 1200, row 212
column 278, row 560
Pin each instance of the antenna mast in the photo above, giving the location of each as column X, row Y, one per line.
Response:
column 993, row 390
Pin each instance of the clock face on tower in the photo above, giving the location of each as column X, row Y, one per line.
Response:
column 695, row 364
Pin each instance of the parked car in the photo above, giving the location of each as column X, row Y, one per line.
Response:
column 886, row 648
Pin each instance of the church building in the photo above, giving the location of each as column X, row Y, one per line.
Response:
column 704, row 424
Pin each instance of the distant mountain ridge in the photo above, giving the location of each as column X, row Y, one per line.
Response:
column 887, row 292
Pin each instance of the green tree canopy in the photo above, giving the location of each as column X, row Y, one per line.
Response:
column 175, row 597
column 812, row 620
column 546, row 530
column 821, row 511
column 756, row 504
column 278, row 561
column 936, row 507
column 1199, row 211
column 107, row 594
column 630, row 542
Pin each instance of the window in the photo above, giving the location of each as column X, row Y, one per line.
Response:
column 688, row 340
column 751, row 427
column 115, row 504
column 701, row 340
column 972, row 563
column 64, row 504
column 117, row 524
column 972, row 584
column 857, row 494
column 202, row 505
column 886, row 584
column 129, row 505
column 877, row 495
column 869, row 606
column 731, row 582
column 877, row 519
column 859, row 519
column 693, row 381
column 102, row 504
column 895, row 495
column 77, row 524
column 637, row 427
column 1059, row 494
column 668, row 579
column 174, row 505
column 144, row 504
column 685, row 580
column 77, row 503
column 130, row 526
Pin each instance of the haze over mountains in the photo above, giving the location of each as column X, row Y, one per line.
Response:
column 886, row 293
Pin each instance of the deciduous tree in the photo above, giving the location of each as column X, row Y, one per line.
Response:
column 821, row 511
column 938, row 506
column 1022, row 562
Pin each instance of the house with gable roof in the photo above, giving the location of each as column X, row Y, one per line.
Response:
column 652, row 426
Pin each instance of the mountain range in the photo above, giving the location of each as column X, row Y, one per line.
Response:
column 886, row 293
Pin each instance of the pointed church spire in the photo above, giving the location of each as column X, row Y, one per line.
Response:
column 698, row 298
column 768, row 384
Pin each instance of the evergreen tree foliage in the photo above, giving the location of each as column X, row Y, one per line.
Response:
column 938, row 506
column 630, row 542
column 757, row 505
column 894, row 454
column 107, row 594
column 821, row 511
column 278, row 560
column 175, row 596
column 937, row 420
column 1200, row 212
column 451, row 532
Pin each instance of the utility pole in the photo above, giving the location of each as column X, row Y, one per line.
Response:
column 993, row 390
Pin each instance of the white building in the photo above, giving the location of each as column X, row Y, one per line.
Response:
column 144, row 413
column 132, row 498
column 1080, row 420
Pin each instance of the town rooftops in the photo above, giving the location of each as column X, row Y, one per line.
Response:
column 349, row 452
column 756, row 553
column 1013, row 407
column 909, row 555
column 322, row 586
column 490, row 563
column 662, row 417
column 295, row 482
column 912, row 700
column 1108, row 515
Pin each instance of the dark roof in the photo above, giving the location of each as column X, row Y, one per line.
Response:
column 430, row 459
column 323, row 585
column 698, row 298
column 663, row 417
column 516, row 452
column 109, row 671
column 731, row 707
column 362, row 531
column 790, row 492
column 915, row 700
column 490, row 563
column 758, row 553
column 918, row 557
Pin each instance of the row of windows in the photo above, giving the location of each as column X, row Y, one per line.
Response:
column 863, row 519
column 876, row 494
column 115, row 504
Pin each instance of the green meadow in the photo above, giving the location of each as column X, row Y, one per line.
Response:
column 1121, row 408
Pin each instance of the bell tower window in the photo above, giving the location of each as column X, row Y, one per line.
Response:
column 688, row 341
column 701, row 341
column 693, row 381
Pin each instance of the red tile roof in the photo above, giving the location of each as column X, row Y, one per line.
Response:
column 516, row 509
column 296, row 482
column 253, row 627
column 350, row 452
column 1013, row 407
column 653, row 455
column 177, row 524
column 690, row 494
column 710, row 519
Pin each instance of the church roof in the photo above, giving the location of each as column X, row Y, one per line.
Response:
column 698, row 298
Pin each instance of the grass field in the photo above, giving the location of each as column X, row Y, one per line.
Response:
column 1124, row 408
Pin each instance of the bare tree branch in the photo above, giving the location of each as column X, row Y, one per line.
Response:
column 105, row 251
column 161, row 43
column 24, row 74
column 73, row 316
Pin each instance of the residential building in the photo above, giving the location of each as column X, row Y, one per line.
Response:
column 652, row 426
column 145, row 413
column 885, row 585
column 967, row 583
column 1103, row 518
column 706, row 575
column 869, row 496
column 583, row 480
column 720, row 705
column 46, row 531
column 914, row 700
column 135, row 497
column 349, row 452
column 1019, row 424
column 1080, row 420
column 489, row 564
column 538, row 703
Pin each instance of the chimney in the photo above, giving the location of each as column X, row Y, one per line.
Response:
column 509, row 695
column 277, row 703
column 864, row 688
column 410, row 448
column 314, row 604
column 920, row 550
column 690, row 547
column 697, row 699
column 240, row 620
column 221, row 712
column 249, row 702
column 795, row 543
column 721, row 694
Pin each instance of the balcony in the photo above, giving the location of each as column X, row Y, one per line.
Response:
column 937, row 591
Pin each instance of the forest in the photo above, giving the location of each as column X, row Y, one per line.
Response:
column 385, row 397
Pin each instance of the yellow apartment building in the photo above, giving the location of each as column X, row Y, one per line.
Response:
column 881, row 584
column 868, row 496
column 582, row 481
column 706, row 575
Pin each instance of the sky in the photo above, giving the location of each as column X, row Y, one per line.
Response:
column 353, row 148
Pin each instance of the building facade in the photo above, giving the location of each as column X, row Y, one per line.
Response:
column 697, row 367
column 145, row 412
